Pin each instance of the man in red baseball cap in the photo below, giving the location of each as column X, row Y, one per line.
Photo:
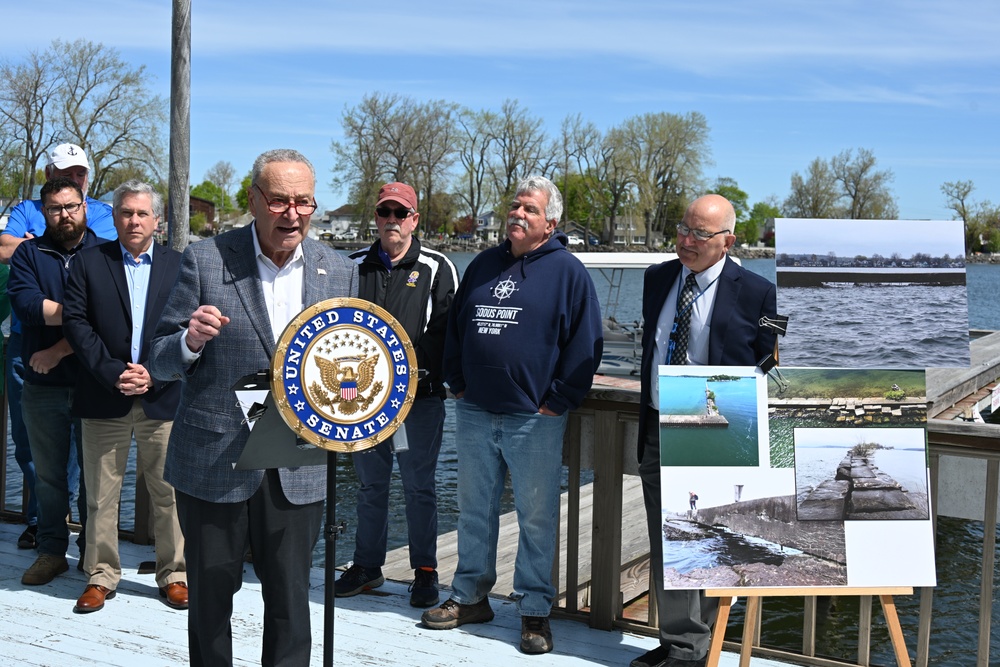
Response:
column 416, row 285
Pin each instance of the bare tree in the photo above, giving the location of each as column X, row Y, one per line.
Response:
column 613, row 173
column 359, row 159
column 816, row 195
column 474, row 148
column 401, row 137
column 865, row 189
column 106, row 107
column 518, row 143
column 957, row 194
column 981, row 219
column 434, row 154
column 27, row 91
column 223, row 174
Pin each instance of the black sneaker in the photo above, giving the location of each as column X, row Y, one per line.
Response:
column 29, row 538
column 357, row 580
column 424, row 589
column 536, row 637
column 452, row 614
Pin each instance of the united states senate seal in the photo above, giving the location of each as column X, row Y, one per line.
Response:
column 344, row 374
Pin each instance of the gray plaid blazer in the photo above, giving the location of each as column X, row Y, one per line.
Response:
column 208, row 435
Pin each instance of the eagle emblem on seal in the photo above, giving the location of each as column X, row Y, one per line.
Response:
column 345, row 380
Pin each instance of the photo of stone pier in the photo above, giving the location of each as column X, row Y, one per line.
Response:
column 835, row 482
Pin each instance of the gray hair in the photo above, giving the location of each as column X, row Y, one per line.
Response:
column 137, row 187
column 554, row 207
column 278, row 155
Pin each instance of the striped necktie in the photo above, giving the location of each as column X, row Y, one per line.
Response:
column 680, row 336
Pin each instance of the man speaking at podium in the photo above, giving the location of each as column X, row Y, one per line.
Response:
column 234, row 296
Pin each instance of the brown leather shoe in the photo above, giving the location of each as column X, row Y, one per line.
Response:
column 93, row 599
column 175, row 595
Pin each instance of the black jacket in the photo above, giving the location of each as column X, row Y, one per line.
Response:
column 39, row 270
column 97, row 322
column 417, row 291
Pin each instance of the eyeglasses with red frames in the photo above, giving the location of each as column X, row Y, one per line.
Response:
column 279, row 206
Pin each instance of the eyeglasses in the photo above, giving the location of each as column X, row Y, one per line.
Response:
column 69, row 208
column 699, row 234
column 398, row 213
column 279, row 206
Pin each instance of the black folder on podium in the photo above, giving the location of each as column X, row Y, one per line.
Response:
column 272, row 444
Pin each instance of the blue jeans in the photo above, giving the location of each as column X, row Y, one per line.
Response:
column 14, row 371
column 54, row 436
column 417, row 466
column 530, row 446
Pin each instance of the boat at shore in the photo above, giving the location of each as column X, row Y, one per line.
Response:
column 622, row 339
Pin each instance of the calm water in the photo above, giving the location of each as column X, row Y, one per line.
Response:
column 959, row 542
column 735, row 445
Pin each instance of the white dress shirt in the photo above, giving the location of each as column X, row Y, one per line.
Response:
column 701, row 317
column 283, row 290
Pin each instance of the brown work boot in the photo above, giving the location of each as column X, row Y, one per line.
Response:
column 45, row 568
column 536, row 637
column 452, row 614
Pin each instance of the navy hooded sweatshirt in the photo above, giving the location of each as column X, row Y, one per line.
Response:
column 524, row 331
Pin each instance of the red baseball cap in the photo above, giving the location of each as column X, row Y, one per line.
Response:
column 398, row 192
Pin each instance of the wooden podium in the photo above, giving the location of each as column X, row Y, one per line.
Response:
column 753, row 595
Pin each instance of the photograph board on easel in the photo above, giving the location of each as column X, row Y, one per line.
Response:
column 794, row 486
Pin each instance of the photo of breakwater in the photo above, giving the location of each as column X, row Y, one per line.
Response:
column 881, row 476
column 710, row 418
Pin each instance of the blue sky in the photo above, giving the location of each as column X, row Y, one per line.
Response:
column 780, row 83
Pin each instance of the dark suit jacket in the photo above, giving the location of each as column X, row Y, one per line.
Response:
column 208, row 434
column 735, row 336
column 97, row 322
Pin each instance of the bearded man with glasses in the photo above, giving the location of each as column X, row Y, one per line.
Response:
column 700, row 309
column 39, row 271
column 416, row 285
column 28, row 221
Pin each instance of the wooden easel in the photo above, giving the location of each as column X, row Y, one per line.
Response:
column 753, row 595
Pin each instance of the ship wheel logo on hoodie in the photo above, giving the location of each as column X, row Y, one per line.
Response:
column 504, row 289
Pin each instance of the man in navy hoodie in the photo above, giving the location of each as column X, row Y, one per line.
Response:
column 524, row 341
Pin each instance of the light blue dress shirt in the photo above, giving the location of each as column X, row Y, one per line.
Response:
column 137, row 270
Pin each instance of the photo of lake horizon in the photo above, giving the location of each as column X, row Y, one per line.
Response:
column 872, row 294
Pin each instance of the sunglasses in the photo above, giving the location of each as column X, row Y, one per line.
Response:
column 398, row 213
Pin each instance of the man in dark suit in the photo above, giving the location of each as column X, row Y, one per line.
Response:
column 722, row 325
column 114, row 298
column 235, row 294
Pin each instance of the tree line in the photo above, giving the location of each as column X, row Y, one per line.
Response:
column 465, row 162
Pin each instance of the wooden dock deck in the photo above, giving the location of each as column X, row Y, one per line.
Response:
column 39, row 628
column 635, row 547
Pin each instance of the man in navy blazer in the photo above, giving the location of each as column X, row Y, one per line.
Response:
column 235, row 294
column 724, row 331
column 114, row 298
